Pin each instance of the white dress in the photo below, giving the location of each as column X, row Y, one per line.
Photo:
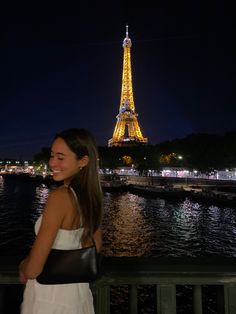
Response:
column 58, row 299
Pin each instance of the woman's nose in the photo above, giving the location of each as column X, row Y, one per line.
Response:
column 52, row 162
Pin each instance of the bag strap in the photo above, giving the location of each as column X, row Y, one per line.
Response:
column 78, row 206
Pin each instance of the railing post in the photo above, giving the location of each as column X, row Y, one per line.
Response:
column 230, row 299
column 166, row 299
column 197, row 299
column 220, row 299
column 133, row 299
column 2, row 293
column 102, row 299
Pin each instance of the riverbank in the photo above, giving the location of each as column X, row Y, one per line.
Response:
column 218, row 192
column 206, row 195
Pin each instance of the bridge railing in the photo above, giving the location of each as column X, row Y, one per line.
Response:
column 163, row 273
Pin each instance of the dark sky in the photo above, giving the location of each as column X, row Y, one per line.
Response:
column 61, row 67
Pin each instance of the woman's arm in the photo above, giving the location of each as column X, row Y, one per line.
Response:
column 98, row 239
column 53, row 215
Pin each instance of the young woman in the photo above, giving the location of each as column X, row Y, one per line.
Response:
column 72, row 215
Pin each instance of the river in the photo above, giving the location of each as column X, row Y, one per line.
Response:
column 133, row 225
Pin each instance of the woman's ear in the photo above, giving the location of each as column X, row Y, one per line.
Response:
column 83, row 161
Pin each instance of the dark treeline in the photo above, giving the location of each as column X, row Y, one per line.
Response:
column 203, row 152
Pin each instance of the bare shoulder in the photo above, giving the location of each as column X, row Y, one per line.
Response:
column 61, row 191
column 61, row 197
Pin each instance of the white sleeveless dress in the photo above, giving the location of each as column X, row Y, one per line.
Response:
column 58, row 299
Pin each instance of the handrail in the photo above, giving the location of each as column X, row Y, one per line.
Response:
column 164, row 273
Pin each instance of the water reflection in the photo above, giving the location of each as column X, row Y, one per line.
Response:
column 132, row 225
column 220, row 232
column 1, row 183
column 41, row 195
column 16, row 199
column 125, row 227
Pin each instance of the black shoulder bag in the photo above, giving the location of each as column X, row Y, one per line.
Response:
column 70, row 266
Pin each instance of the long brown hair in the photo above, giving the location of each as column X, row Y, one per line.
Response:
column 86, row 183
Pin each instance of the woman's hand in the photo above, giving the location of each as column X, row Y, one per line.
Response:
column 22, row 277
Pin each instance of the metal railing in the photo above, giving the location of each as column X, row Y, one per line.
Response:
column 164, row 273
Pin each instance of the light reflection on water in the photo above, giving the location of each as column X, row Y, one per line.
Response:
column 132, row 225
column 125, row 227
column 41, row 195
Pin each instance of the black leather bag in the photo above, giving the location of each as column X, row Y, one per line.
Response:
column 70, row 266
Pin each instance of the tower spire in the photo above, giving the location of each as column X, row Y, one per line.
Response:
column 127, row 130
column 127, row 31
column 127, row 41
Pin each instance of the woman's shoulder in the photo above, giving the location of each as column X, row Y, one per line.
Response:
column 61, row 193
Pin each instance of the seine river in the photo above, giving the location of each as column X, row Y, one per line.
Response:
column 133, row 225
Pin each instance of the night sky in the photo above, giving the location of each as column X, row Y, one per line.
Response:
column 61, row 67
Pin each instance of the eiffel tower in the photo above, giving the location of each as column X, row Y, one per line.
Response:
column 127, row 130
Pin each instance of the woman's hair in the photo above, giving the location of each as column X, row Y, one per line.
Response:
column 86, row 183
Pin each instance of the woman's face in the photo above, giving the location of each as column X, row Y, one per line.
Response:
column 63, row 161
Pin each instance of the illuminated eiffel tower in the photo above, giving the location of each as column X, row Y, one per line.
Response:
column 127, row 130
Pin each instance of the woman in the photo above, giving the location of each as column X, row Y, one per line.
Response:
column 71, row 217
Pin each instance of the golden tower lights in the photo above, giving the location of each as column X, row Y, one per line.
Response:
column 127, row 130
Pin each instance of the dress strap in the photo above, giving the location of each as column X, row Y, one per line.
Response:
column 77, row 202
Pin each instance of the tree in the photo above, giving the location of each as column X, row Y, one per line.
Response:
column 43, row 156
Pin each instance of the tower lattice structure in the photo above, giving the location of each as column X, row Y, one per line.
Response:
column 127, row 130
